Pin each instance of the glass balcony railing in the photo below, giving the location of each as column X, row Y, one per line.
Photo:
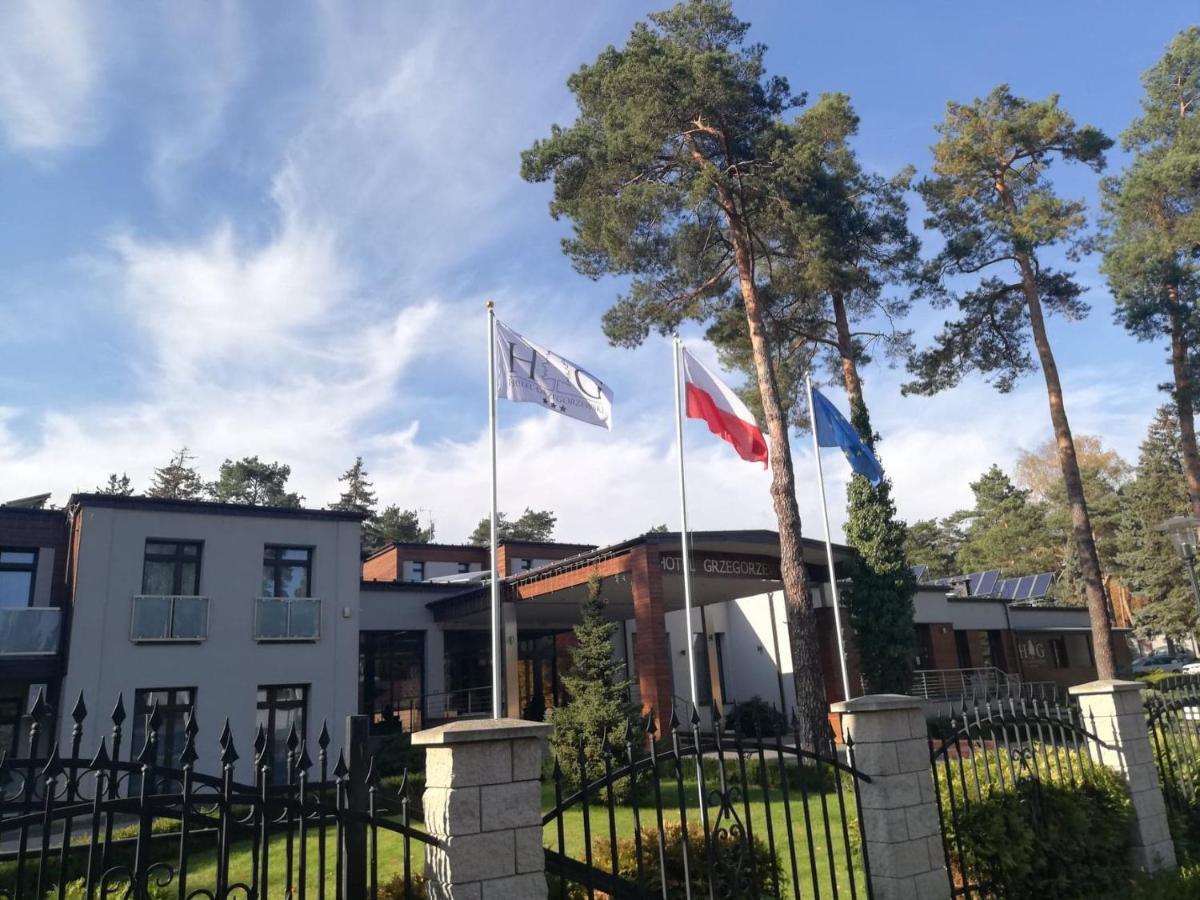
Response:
column 287, row 619
column 164, row 618
column 29, row 631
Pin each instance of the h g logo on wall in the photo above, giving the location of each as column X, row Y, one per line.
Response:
column 586, row 384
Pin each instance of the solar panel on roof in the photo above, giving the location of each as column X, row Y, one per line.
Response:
column 972, row 580
column 1023, row 588
column 919, row 572
column 1008, row 588
column 1041, row 584
column 987, row 584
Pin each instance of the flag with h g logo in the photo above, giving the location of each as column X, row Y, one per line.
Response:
column 528, row 373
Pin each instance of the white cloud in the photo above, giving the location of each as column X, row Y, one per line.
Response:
column 49, row 66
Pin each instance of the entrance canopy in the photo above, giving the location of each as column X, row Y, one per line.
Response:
column 726, row 565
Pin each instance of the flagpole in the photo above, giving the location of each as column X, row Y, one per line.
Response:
column 837, row 606
column 495, row 575
column 684, row 540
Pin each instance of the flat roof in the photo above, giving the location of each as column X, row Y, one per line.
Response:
column 479, row 548
column 210, row 507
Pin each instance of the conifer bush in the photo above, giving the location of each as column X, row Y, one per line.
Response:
column 597, row 704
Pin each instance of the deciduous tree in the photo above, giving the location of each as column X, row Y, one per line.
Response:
column 668, row 177
column 993, row 202
column 1152, row 228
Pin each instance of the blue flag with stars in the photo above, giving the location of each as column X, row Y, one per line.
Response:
column 834, row 431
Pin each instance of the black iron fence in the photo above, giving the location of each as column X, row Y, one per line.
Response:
column 76, row 824
column 1173, row 719
column 698, row 812
column 1011, row 756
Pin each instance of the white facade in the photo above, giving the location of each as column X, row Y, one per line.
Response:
column 228, row 666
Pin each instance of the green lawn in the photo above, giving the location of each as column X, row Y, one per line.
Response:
column 824, row 850
column 827, row 861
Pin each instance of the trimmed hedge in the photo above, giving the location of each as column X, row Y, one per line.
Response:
column 1041, row 838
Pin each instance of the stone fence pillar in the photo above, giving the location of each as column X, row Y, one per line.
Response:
column 900, row 825
column 483, row 803
column 1120, row 721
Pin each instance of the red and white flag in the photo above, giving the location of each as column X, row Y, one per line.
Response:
column 712, row 400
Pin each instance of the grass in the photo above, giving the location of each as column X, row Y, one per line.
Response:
column 202, row 862
column 812, row 868
column 827, row 861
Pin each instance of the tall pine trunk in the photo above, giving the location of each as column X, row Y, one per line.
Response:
column 850, row 375
column 1089, row 562
column 1184, row 401
column 811, row 705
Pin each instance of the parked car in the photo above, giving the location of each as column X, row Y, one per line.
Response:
column 1192, row 668
column 1162, row 662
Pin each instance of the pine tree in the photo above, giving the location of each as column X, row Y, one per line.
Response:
column 1006, row 530
column 670, row 176
column 118, row 485
column 597, row 692
column 357, row 496
column 1149, row 564
column 993, row 202
column 934, row 543
column 395, row 525
column 535, row 525
column 177, row 480
column 1152, row 228
column 882, row 583
column 255, row 483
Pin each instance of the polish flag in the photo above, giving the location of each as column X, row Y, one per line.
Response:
column 712, row 400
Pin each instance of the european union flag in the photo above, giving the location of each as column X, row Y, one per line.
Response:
column 834, row 431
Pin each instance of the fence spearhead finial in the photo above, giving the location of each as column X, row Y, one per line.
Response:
column 79, row 711
column 341, row 770
column 118, row 713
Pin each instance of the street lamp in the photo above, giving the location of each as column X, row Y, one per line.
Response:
column 1184, row 532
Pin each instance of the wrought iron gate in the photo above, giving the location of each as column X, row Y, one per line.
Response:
column 98, row 826
column 1012, row 747
column 1173, row 719
column 707, row 813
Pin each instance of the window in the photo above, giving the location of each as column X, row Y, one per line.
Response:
column 280, row 707
column 287, row 572
column 418, row 570
column 171, row 568
column 391, row 666
column 174, row 707
column 17, row 567
column 526, row 565
column 463, row 567
column 1058, row 649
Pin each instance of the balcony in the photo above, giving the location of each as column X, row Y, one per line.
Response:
column 158, row 618
column 287, row 619
column 29, row 631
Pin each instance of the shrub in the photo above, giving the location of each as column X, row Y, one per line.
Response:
column 393, row 888
column 755, row 716
column 396, row 754
column 746, row 882
column 1037, row 838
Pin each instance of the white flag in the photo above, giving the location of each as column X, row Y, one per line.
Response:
column 528, row 373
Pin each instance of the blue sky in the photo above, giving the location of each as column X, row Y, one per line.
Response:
column 251, row 232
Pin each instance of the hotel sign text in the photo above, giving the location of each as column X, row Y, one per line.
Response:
column 723, row 565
